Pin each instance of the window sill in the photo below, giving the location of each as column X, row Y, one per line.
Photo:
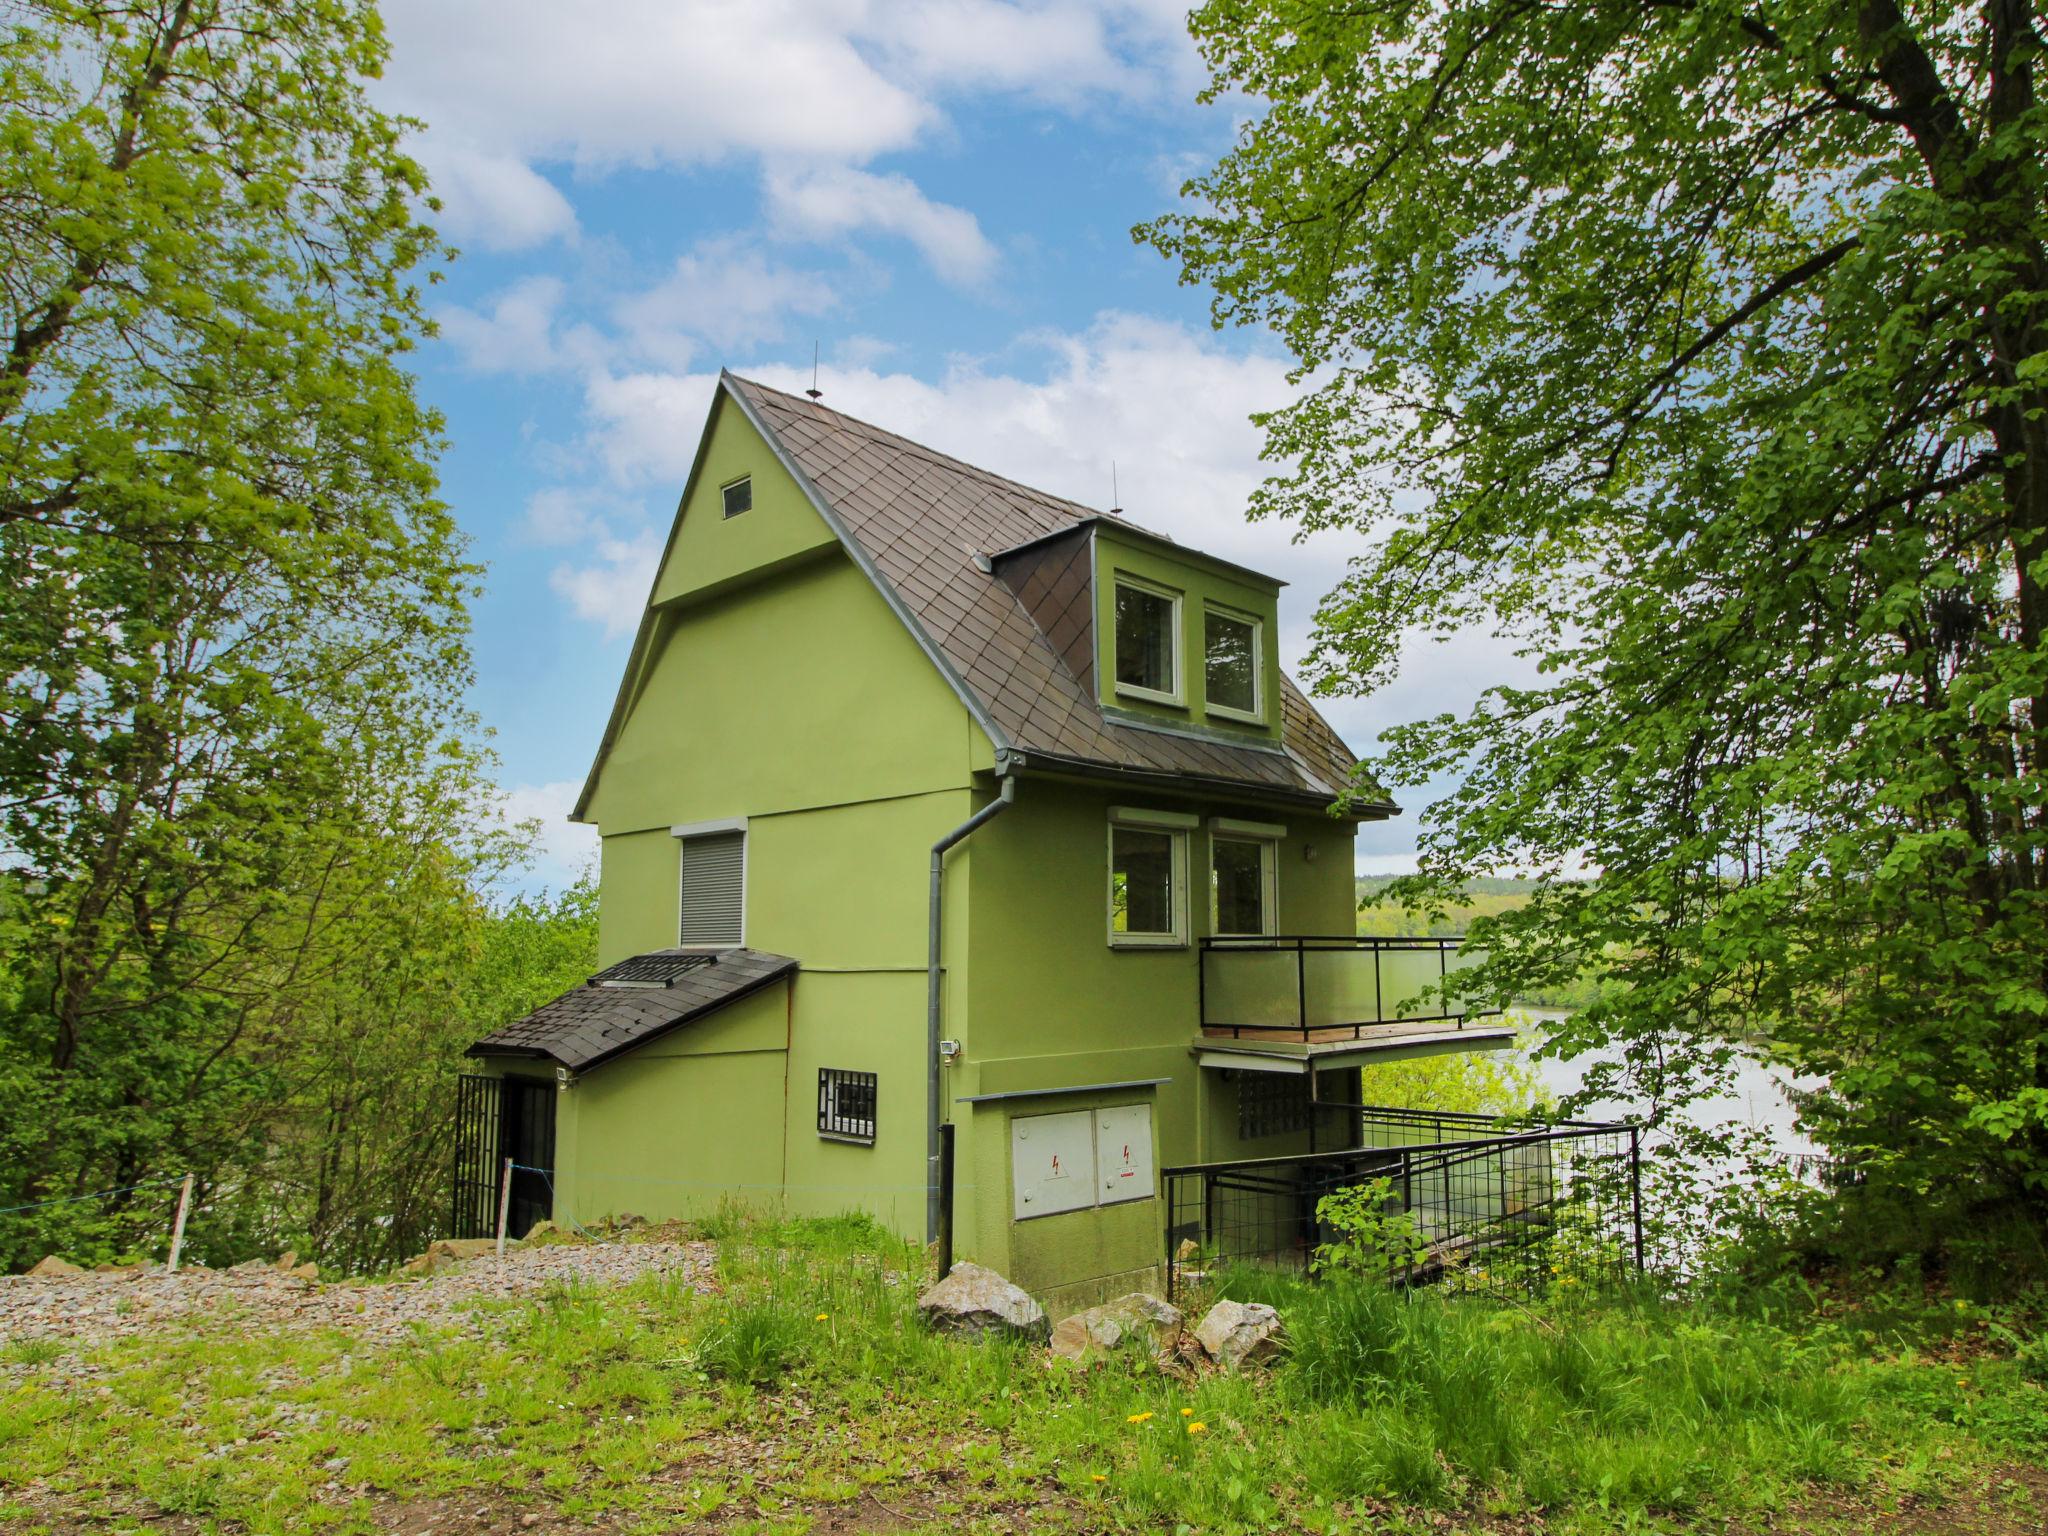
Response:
column 1147, row 941
column 1239, row 716
column 1150, row 696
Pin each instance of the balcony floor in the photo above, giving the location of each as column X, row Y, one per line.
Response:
column 1294, row 1051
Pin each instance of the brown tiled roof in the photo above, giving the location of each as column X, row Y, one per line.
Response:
column 587, row 1026
column 925, row 524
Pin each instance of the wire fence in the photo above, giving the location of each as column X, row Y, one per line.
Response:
column 145, row 1216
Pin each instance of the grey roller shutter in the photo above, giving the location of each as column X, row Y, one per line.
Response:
column 714, row 874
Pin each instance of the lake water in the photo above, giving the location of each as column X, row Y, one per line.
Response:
column 1756, row 1097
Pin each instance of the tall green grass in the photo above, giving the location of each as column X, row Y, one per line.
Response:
column 1628, row 1405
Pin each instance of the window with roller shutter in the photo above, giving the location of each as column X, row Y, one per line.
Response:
column 714, row 889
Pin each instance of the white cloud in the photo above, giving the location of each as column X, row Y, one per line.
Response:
column 649, row 82
column 497, row 200
column 833, row 201
column 517, row 336
column 613, row 591
column 564, row 849
column 723, row 294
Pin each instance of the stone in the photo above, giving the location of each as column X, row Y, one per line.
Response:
column 542, row 1231
column 1107, row 1326
column 1237, row 1334
column 975, row 1301
column 52, row 1265
column 288, row 1260
column 459, row 1248
column 306, row 1271
column 1187, row 1250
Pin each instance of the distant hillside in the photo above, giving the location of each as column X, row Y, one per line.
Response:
column 1484, row 897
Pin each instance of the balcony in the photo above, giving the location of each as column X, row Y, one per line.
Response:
column 1305, row 990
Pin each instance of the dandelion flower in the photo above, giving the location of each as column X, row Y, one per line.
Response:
column 1138, row 1418
column 1198, row 1428
column 1187, row 1413
column 1097, row 1477
column 823, row 1317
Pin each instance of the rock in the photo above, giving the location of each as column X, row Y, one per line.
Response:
column 1236, row 1334
column 976, row 1301
column 459, row 1248
column 52, row 1265
column 306, row 1271
column 1188, row 1249
column 541, row 1231
column 1107, row 1326
column 287, row 1261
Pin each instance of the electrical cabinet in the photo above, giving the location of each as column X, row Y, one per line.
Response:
column 1052, row 1163
column 1123, row 1153
column 1069, row 1162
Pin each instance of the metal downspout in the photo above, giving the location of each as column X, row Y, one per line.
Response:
column 934, row 1067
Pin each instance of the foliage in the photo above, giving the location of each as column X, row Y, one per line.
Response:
column 1700, row 352
column 244, row 817
column 1465, row 1082
column 593, row 1406
column 1376, row 1238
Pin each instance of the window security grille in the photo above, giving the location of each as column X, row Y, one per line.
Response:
column 846, row 1105
column 714, row 883
column 1271, row 1104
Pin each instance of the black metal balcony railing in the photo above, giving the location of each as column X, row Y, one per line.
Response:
column 1331, row 986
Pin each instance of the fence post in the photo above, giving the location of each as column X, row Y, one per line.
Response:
column 178, row 1224
column 946, row 1133
column 1635, row 1187
column 504, row 1205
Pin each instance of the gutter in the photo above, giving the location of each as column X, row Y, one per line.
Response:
column 934, row 1063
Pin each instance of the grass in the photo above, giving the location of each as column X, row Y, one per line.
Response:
column 804, row 1393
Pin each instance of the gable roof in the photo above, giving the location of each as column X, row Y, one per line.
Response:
column 927, row 529
column 593, row 1023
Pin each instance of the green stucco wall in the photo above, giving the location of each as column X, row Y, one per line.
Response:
column 1199, row 584
column 1052, row 1005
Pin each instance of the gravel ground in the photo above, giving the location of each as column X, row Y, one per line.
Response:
column 92, row 1308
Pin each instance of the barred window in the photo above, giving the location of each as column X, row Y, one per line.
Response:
column 846, row 1105
column 1271, row 1104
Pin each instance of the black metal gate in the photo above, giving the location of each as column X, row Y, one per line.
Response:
column 497, row 1118
column 476, row 1157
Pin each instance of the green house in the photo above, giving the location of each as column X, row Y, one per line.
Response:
column 967, row 859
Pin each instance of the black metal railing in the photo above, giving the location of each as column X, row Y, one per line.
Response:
column 1501, row 1208
column 1303, row 985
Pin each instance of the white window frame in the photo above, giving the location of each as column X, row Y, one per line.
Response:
column 1268, row 845
column 1256, row 715
column 1177, row 663
column 745, row 480
column 682, row 832
column 1175, row 825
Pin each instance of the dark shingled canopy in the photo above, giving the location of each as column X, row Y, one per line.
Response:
column 584, row 1028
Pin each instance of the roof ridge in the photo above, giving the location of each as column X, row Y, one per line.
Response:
column 1080, row 510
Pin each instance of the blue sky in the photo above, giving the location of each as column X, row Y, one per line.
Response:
column 937, row 193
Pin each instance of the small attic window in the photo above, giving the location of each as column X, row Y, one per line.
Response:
column 739, row 496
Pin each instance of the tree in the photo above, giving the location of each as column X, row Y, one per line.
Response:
column 1699, row 348
column 233, row 640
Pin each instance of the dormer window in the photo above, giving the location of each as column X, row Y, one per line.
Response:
column 739, row 496
column 1147, row 641
column 1231, row 665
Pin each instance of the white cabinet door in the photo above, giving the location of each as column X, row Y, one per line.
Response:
column 1123, row 1153
column 1052, row 1163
